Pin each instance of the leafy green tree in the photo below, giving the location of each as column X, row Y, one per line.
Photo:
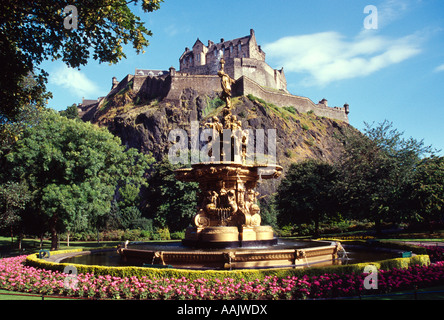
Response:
column 306, row 194
column 269, row 213
column 13, row 199
column 73, row 170
column 427, row 191
column 171, row 203
column 368, row 180
column 27, row 115
column 34, row 31
column 375, row 170
column 71, row 112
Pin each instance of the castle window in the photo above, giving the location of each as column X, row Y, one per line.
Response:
column 231, row 49
column 239, row 48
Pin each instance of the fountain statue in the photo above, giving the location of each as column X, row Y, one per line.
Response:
column 227, row 214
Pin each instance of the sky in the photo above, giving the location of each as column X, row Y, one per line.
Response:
column 385, row 58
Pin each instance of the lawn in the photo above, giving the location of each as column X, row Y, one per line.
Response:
column 11, row 295
column 33, row 245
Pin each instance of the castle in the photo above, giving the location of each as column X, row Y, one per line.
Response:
column 244, row 62
column 243, row 57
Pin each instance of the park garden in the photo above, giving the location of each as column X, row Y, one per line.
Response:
column 70, row 185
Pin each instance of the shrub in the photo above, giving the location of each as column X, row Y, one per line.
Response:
column 291, row 109
column 164, row 233
column 178, row 235
column 132, row 235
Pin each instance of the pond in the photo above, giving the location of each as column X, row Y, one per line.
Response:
column 354, row 254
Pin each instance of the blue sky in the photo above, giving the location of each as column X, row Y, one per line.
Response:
column 393, row 72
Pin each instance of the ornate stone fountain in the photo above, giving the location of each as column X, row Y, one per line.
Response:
column 227, row 231
column 227, row 214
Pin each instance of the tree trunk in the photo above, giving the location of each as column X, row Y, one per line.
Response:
column 316, row 233
column 54, row 238
column 67, row 239
column 378, row 226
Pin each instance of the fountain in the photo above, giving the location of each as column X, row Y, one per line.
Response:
column 227, row 231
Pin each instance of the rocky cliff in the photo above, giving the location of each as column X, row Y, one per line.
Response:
column 145, row 124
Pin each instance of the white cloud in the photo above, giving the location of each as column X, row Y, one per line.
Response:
column 329, row 56
column 74, row 81
column 439, row 68
column 391, row 10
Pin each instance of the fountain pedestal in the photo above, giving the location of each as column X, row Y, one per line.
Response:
column 228, row 215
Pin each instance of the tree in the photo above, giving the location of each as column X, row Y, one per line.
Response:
column 34, row 31
column 171, row 203
column 70, row 112
column 306, row 194
column 427, row 190
column 27, row 115
column 73, row 170
column 13, row 199
column 375, row 170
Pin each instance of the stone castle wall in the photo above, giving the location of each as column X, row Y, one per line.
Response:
column 255, row 69
column 151, row 87
column 261, row 72
column 203, row 84
column 245, row 86
column 172, row 87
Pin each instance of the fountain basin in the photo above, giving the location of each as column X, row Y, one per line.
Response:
column 319, row 253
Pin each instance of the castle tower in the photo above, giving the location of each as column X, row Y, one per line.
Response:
column 243, row 56
column 115, row 83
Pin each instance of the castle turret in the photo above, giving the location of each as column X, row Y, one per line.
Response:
column 324, row 102
column 115, row 83
column 172, row 71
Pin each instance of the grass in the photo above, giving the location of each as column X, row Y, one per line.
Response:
column 11, row 295
column 33, row 245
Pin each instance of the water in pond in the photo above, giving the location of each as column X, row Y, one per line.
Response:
column 112, row 258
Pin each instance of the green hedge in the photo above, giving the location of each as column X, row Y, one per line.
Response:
column 251, row 274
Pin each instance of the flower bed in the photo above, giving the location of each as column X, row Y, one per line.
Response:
column 435, row 253
column 16, row 276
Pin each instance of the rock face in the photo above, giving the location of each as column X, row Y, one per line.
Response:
column 145, row 124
